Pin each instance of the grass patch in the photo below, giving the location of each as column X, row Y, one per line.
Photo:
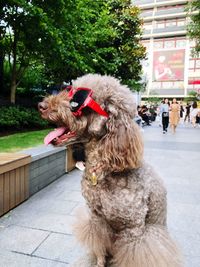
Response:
column 19, row 141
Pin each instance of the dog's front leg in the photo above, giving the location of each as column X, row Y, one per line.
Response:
column 94, row 233
column 101, row 261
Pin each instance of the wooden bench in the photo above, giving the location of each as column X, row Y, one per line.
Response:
column 14, row 180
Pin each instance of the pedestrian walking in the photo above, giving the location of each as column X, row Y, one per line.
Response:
column 187, row 112
column 159, row 118
column 198, row 118
column 193, row 113
column 174, row 115
column 181, row 113
column 164, row 114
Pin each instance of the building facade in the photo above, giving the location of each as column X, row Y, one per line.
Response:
column 170, row 70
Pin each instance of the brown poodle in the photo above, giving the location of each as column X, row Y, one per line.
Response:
column 126, row 221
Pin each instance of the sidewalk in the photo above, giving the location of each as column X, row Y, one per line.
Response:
column 38, row 232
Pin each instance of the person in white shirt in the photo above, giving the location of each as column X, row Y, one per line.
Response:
column 193, row 113
column 164, row 113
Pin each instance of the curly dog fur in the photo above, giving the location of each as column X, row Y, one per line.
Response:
column 126, row 222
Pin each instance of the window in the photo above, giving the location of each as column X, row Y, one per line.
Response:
column 181, row 23
column 147, row 12
column 191, row 64
column 181, row 43
column 170, row 23
column 169, row 8
column 169, row 44
column 158, row 45
column 147, row 26
column 197, row 63
column 176, row 42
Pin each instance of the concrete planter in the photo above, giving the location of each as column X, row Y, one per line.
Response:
column 24, row 174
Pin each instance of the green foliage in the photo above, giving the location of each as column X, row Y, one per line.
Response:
column 17, row 118
column 194, row 25
column 34, row 76
column 130, row 51
column 153, row 99
column 192, row 96
column 47, row 42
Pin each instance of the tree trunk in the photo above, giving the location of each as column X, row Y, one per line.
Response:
column 2, row 56
column 1, row 73
column 13, row 84
column 13, row 89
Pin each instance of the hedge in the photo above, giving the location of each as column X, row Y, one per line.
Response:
column 18, row 118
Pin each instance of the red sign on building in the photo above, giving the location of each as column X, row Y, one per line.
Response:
column 168, row 65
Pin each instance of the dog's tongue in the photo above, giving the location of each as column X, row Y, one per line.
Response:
column 52, row 135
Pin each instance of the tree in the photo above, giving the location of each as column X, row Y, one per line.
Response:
column 2, row 46
column 71, row 38
column 194, row 26
column 111, row 32
column 192, row 96
column 127, row 42
column 87, row 38
column 29, row 34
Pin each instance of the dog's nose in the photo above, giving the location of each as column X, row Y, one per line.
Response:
column 42, row 106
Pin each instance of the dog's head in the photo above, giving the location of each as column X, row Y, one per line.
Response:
column 96, row 107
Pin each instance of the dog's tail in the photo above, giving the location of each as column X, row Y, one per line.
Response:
column 154, row 248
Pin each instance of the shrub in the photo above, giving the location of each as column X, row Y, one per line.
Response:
column 18, row 118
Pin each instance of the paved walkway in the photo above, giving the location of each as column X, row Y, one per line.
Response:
column 38, row 232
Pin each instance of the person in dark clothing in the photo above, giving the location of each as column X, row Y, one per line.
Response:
column 79, row 155
column 187, row 115
column 143, row 114
column 181, row 111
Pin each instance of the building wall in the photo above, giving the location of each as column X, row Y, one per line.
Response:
column 170, row 67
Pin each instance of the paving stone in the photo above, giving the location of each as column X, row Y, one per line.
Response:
column 192, row 261
column 46, row 221
column 189, row 243
column 10, row 259
column 50, row 205
column 69, row 250
column 79, row 207
column 21, row 239
column 183, row 210
column 72, row 196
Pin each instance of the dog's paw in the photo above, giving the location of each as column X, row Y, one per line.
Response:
column 85, row 261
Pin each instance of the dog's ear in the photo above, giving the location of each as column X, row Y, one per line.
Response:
column 122, row 147
column 97, row 125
